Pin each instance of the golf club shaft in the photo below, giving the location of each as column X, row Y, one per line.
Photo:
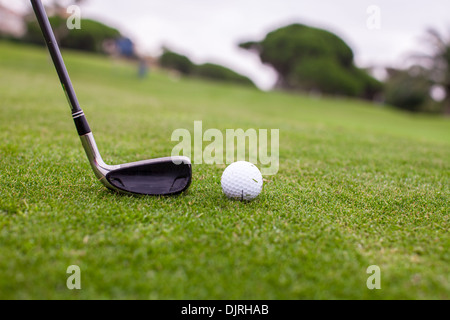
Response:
column 77, row 112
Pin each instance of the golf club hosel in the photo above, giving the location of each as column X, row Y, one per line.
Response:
column 99, row 167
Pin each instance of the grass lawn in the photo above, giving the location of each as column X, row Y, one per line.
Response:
column 358, row 185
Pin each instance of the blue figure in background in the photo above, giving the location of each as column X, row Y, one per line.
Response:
column 125, row 47
column 142, row 68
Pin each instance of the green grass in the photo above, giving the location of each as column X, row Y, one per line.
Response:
column 358, row 185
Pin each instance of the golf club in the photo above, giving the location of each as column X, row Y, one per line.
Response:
column 163, row 176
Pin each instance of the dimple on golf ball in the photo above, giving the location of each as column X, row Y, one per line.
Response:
column 242, row 181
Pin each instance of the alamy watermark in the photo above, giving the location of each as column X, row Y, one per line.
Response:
column 373, row 22
column 74, row 281
column 374, row 281
column 215, row 147
column 74, row 20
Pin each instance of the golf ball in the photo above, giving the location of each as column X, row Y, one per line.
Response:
column 242, row 180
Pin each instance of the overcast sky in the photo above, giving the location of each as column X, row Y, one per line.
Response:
column 209, row 30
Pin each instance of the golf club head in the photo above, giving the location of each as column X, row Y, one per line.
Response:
column 165, row 176
column 157, row 177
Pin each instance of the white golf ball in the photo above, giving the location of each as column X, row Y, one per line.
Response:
column 242, row 180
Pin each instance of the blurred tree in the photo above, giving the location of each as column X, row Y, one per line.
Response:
column 175, row 61
column 439, row 63
column 220, row 73
column 185, row 66
column 89, row 38
column 409, row 89
column 59, row 8
column 308, row 59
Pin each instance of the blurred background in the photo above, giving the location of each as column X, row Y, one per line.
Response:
column 389, row 52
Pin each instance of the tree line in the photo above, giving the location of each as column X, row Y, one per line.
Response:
column 306, row 60
column 314, row 60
